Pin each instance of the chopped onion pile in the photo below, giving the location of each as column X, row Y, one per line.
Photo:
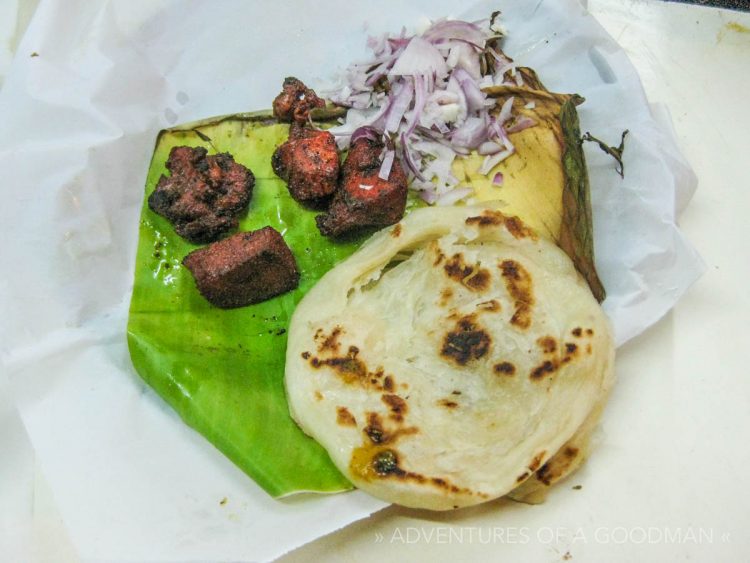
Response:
column 422, row 95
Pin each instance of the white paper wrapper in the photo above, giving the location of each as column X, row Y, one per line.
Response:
column 78, row 127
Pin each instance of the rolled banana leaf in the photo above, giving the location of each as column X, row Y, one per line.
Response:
column 222, row 370
column 546, row 181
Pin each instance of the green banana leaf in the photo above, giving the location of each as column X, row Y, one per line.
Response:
column 223, row 370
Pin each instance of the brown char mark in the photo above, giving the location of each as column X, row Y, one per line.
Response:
column 349, row 367
column 328, row 343
column 504, row 368
column 466, row 342
column 344, row 417
column 513, row 224
column 396, row 405
column 474, row 277
column 518, row 282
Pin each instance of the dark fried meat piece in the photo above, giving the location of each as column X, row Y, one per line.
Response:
column 204, row 195
column 309, row 163
column 363, row 199
column 243, row 269
column 295, row 101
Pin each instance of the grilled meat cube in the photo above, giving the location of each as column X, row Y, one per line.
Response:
column 204, row 195
column 295, row 101
column 243, row 269
column 363, row 199
column 309, row 163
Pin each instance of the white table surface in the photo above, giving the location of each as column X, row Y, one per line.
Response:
column 688, row 496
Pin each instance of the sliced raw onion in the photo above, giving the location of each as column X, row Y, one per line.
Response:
column 365, row 133
column 493, row 160
column 454, row 196
column 521, row 123
column 422, row 96
column 385, row 167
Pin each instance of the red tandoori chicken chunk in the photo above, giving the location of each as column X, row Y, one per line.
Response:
column 309, row 163
column 204, row 195
column 363, row 199
column 295, row 101
column 243, row 269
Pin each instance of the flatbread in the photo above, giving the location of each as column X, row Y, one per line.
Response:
column 447, row 360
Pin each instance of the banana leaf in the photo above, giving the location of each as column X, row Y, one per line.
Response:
column 222, row 370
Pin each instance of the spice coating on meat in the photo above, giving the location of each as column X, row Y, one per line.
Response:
column 204, row 195
column 243, row 269
column 309, row 162
column 363, row 199
column 295, row 101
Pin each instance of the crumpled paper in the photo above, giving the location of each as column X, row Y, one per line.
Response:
column 77, row 127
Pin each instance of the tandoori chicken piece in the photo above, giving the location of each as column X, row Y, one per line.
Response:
column 243, row 269
column 204, row 195
column 363, row 199
column 295, row 101
column 309, row 163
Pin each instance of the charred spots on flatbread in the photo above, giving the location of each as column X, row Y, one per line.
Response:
column 504, row 368
column 396, row 405
column 445, row 296
column 329, row 342
column 518, row 282
column 491, row 306
column 536, row 461
column 344, row 417
column 388, row 383
column 377, row 433
column 349, row 367
column 557, row 466
column 487, row 219
column 547, row 367
column 515, row 226
column 523, row 476
column 474, row 277
column 552, row 357
column 374, row 429
column 467, row 341
column 385, row 462
column 518, row 228
column 379, row 462
column 396, row 231
column 439, row 255
column 548, row 344
column 580, row 332
column 448, row 403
